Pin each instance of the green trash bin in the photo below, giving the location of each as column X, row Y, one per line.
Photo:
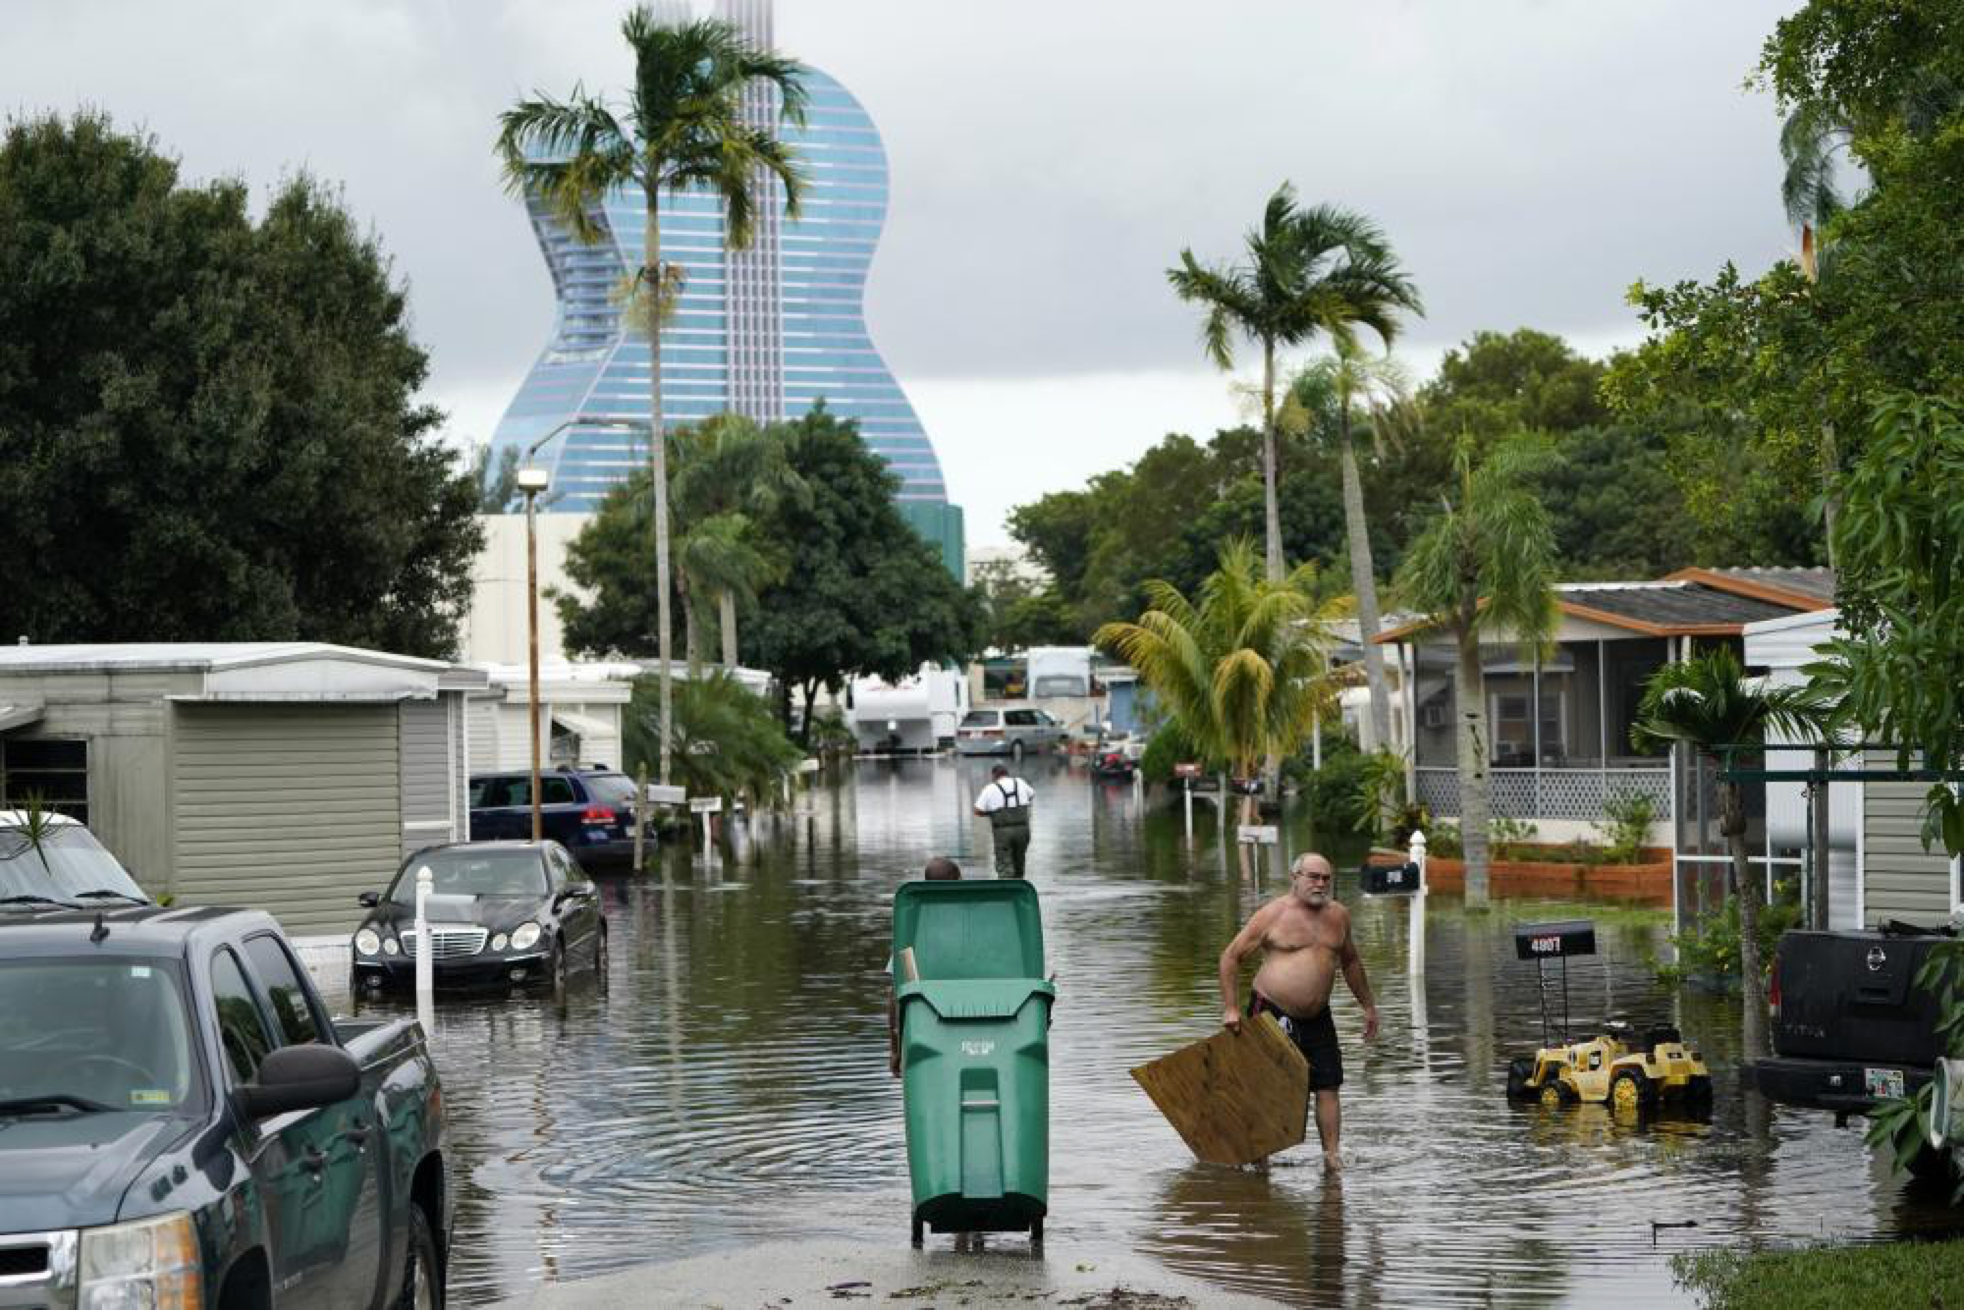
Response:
column 975, row 1050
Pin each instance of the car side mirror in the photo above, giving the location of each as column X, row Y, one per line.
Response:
column 370, row 900
column 299, row 1078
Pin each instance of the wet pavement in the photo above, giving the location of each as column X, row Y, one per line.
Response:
column 726, row 1093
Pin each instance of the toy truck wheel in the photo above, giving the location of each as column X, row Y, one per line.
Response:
column 917, row 1234
column 1631, row 1090
column 1518, row 1073
column 1555, row 1093
column 1698, row 1089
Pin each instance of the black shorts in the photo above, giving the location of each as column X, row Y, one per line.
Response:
column 1315, row 1037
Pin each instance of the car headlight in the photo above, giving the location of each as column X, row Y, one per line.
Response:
column 149, row 1263
column 525, row 936
column 368, row 942
column 390, row 946
column 498, row 942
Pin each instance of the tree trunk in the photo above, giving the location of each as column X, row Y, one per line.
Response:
column 658, row 468
column 1272, row 508
column 1363, row 582
column 691, row 633
column 1475, row 795
column 726, row 604
column 1745, row 886
column 810, row 690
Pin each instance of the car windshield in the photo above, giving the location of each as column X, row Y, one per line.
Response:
column 91, row 1035
column 614, row 788
column 982, row 719
column 62, row 862
column 461, row 871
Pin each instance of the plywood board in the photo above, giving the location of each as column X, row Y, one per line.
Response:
column 1233, row 1098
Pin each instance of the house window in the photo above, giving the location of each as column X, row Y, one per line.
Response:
column 46, row 772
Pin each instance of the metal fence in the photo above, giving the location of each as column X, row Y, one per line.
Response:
column 1529, row 794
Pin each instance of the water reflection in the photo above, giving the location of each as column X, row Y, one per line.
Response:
column 729, row 1084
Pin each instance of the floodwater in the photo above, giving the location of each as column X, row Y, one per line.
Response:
column 728, row 1086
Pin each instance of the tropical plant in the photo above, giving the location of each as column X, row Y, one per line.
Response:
column 1485, row 565
column 1902, row 1123
column 726, row 740
column 1241, row 672
column 1345, row 381
column 1322, row 269
column 683, row 127
column 729, row 471
column 1708, row 704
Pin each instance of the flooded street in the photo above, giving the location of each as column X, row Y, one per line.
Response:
column 729, row 1087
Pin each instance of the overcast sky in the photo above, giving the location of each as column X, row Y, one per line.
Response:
column 1528, row 159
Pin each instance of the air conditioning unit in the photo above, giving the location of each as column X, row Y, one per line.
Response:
column 1433, row 714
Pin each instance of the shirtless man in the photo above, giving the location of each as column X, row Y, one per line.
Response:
column 1304, row 937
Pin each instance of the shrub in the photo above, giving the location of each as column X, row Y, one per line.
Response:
column 1340, row 796
column 1630, row 814
column 1709, row 949
column 1168, row 745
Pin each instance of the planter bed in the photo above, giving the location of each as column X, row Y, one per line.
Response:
column 1648, row 883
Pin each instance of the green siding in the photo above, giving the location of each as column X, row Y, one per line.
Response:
column 287, row 808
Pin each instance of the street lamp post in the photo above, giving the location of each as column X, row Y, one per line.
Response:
column 532, row 480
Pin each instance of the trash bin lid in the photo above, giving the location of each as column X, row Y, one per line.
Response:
column 977, row 998
column 981, row 929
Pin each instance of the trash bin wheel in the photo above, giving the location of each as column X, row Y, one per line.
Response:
column 1036, row 1232
column 917, row 1233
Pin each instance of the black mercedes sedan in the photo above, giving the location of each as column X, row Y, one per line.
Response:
column 502, row 914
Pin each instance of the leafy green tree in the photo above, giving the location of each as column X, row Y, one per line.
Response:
column 1782, row 364
column 1708, row 703
column 864, row 594
column 1241, row 671
column 684, row 128
column 1322, row 269
column 1485, row 564
column 1899, row 669
column 208, row 424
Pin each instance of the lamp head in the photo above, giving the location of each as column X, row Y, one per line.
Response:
column 532, row 479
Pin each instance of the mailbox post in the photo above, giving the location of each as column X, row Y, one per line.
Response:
column 425, row 957
column 1415, row 960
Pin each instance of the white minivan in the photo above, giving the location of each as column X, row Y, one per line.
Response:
column 1008, row 730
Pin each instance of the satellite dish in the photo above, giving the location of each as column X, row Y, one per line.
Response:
column 1947, row 1104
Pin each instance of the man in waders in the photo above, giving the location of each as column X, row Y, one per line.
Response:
column 1006, row 802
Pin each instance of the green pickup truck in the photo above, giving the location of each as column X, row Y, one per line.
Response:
column 181, row 1124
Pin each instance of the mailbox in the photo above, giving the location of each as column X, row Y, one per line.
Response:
column 1554, row 941
column 1389, row 879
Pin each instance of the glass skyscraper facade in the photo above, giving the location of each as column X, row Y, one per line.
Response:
column 767, row 331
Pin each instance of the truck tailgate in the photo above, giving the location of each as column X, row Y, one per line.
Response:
column 1852, row 996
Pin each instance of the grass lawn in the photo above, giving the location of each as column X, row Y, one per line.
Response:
column 1530, row 909
column 1896, row 1274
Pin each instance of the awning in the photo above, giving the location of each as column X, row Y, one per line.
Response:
column 585, row 726
column 18, row 716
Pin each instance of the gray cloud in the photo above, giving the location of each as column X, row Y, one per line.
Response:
column 1528, row 160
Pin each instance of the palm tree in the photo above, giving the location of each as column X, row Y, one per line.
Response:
column 1342, row 382
column 1241, row 672
column 1322, row 269
column 1485, row 565
column 721, row 564
column 1708, row 703
column 731, row 472
column 682, row 127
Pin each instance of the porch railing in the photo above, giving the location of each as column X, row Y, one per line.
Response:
column 1530, row 794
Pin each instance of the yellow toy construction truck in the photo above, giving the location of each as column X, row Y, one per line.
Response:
column 1615, row 1067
